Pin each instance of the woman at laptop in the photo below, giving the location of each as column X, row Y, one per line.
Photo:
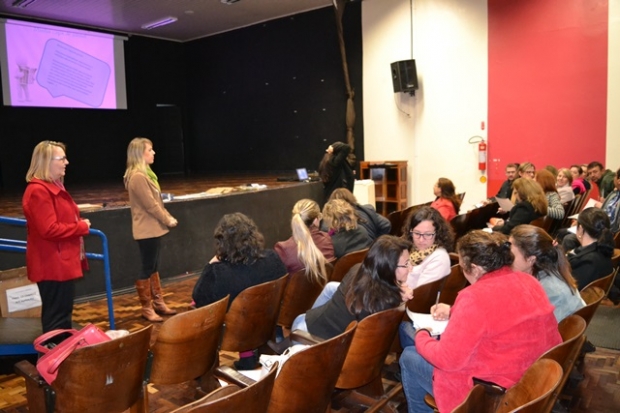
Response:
column 335, row 170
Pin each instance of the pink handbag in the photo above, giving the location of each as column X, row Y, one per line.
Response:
column 48, row 364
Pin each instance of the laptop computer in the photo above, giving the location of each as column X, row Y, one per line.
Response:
column 302, row 176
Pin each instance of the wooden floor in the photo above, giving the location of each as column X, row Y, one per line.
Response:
column 599, row 392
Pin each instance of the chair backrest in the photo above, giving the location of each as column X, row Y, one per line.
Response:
column 593, row 297
column 603, row 283
column 299, row 295
column 105, row 377
column 617, row 240
column 425, row 296
column 344, row 263
column 307, row 379
column 454, row 283
column 615, row 259
column 371, row 344
column 251, row 318
column 532, row 391
column 565, row 354
column 396, row 220
column 460, row 225
column 478, row 401
column 583, row 201
column 479, row 217
column 543, row 222
column 187, row 344
column 232, row 399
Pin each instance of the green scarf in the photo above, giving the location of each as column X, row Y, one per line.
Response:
column 151, row 174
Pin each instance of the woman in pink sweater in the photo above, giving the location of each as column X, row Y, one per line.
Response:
column 498, row 327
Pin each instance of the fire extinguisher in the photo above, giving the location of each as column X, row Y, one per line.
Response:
column 482, row 155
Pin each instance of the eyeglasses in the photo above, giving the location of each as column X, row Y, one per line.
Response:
column 419, row 235
column 59, row 158
column 407, row 264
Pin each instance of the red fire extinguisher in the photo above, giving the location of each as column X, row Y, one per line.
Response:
column 482, row 156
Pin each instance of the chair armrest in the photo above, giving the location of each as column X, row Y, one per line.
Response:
column 303, row 337
column 29, row 372
column 231, row 375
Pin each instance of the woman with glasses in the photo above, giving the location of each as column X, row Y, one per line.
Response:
column 499, row 325
column 432, row 239
column 526, row 170
column 54, row 247
column 377, row 284
column 530, row 203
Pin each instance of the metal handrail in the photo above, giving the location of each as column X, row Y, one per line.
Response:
column 20, row 246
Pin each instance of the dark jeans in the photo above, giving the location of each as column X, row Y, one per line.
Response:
column 56, row 304
column 149, row 255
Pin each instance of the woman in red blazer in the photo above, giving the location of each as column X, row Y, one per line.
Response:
column 54, row 246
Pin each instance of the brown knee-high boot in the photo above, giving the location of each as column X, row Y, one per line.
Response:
column 144, row 292
column 158, row 298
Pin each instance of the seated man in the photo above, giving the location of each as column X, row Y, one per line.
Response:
column 604, row 178
column 505, row 191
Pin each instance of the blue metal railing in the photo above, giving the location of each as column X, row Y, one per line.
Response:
column 20, row 246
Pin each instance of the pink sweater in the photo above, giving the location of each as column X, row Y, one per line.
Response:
column 444, row 207
column 498, row 327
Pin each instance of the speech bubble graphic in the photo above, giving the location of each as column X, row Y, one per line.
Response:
column 67, row 71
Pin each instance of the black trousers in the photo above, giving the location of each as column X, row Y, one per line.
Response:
column 149, row 255
column 56, row 304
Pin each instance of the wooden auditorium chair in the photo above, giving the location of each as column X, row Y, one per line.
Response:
column 251, row 319
column 234, row 399
column 529, row 395
column 545, row 223
column 396, row 221
column 103, row 378
column 603, row 283
column 186, row 348
column 460, row 225
column 593, row 297
column 479, row 217
column 306, row 380
column 454, row 283
column 572, row 330
column 359, row 382
column 344, row 264
column 425, row 296
column 299, row 294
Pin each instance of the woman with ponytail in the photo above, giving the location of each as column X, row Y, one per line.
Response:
column 309, row 247
column 592, row 259
column 499, row 325
column 535, row 254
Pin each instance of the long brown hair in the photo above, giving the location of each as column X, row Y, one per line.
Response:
column 449, row 192
column 531, row 191
column 550, row 260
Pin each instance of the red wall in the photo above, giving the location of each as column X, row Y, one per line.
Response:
column 547, row 83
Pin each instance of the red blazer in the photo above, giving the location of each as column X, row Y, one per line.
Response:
column 54, row 231
column 445, row 208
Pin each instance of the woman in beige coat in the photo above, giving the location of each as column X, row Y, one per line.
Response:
column 150, row 221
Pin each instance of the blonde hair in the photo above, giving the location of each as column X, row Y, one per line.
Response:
column 305, row 212
column 531, row 191
column 135, row 157
column 339, row 214
column 41, row 160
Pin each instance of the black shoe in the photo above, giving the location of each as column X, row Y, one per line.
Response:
column 588, row 347
column 247, row 363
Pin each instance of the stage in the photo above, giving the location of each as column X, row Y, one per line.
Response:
column 189, row 246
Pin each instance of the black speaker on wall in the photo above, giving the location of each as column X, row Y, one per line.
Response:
column 404, row 76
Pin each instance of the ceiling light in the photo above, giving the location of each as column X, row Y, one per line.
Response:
column 228, row 2
column 158, row 23
column 22, row 4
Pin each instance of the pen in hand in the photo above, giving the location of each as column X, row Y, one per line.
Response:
column 436, row 303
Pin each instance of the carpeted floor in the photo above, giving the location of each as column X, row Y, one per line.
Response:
column 604, row 329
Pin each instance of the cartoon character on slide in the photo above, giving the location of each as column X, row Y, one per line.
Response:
column 26, row 77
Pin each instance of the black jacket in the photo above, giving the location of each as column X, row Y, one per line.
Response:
column 589, row 264
column 522, row 213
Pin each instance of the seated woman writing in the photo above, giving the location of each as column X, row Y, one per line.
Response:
column 535, row 254
column 530, row 203
column 375, row 285
column 498, row 327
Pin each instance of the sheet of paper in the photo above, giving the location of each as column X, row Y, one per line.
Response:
column 591, row 203
column 420, row 320
column 505, row 204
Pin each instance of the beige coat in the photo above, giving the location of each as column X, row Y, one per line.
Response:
column 149, row 218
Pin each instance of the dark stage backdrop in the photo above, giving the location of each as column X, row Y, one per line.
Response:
column 272, row 96
column 267, row 97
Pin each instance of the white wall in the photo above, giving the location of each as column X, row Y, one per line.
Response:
column 431, row 129
column 612, row 160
